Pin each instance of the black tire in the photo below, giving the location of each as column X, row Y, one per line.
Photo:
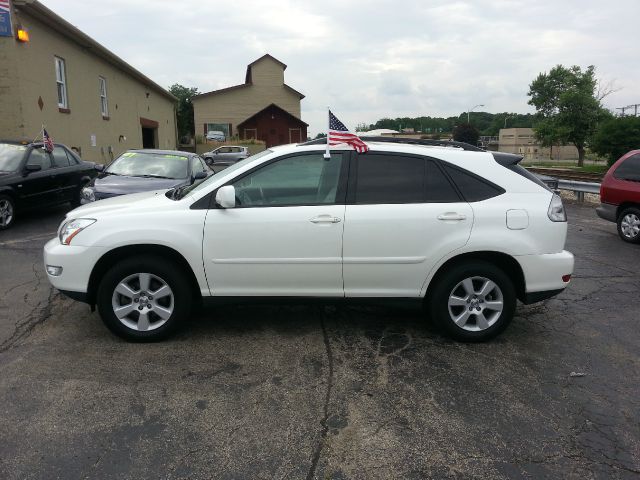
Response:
column 629, row 234
column 7, row 212
column 161, row 270
column 448, row 284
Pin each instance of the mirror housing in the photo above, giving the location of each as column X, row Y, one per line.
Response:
column 30, row 167
column 200, row 176
column 99, row 167
column 226, row 196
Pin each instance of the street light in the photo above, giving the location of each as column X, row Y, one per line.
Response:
column 505, row 121
column 472, row 108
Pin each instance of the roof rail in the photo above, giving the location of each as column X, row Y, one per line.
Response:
column 409, row 141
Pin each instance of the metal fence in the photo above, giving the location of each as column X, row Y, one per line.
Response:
column 580, row 188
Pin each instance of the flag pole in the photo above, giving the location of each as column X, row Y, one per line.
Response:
column 327, row 153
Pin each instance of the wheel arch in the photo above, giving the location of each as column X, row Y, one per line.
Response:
column 621, row 208
column 505, row 262
column 120, row 253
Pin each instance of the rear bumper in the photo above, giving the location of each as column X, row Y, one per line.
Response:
column 543, row 274
column 607, row 211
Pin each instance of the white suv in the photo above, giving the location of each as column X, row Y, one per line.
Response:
column 466, row 231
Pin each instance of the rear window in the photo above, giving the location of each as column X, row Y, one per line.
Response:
column 10, row 156
column 629, row 169
column 472, row 187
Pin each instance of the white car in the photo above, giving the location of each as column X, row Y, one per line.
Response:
column 465, row 231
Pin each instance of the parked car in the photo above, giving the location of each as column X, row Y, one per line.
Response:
column 620, row 196
column 463, row 231
column 216, row 135
column 145, row 170
column 31, row 177
column 226, row 154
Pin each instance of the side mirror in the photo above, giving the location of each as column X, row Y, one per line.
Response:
column 200, row 175
column 32, row 167
column 226, row 196
column 99, row 167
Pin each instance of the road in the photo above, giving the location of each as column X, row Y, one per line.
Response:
column 326, row 392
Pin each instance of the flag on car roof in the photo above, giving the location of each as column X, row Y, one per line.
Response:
column 4, row 6
column 338, row 134
column 47, row 141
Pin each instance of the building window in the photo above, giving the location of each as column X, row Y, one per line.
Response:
column 61, row 81
column 104, row 108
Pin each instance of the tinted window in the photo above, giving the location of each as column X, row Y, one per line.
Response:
column 629, row 169
column 439, row 189
column 472, row 187
column 390, row 179
column 297, row 180
column 60, row 157
column 39, row 157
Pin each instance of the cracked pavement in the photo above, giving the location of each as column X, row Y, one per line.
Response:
column 322, row 391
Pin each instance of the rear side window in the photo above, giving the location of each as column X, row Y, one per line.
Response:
column 472, row 187
column 390, row 179
column 439, row 189
column 60, row 157
column 629, row 169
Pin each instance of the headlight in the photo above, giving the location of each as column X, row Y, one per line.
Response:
column 87, row 195
column 556, row 211
column 73, row 227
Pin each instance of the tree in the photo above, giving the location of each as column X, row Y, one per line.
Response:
column 184, row 110
column 466, row 133
column 616, row 136
column 568, row 105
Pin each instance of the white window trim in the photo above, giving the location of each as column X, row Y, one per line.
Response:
column 104, row 106
column 61, row 79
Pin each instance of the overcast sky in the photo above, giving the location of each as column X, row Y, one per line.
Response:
column 373, row 59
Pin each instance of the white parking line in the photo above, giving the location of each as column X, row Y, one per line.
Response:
column 30, row 239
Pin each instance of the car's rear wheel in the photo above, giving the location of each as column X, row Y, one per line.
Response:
column 629, row 225
column 144, row 299
column 473, row 302
column 7, row 212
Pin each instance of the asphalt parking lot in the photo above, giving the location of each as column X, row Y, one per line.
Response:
column 327, row 392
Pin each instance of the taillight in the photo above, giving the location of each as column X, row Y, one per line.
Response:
column 556, row 212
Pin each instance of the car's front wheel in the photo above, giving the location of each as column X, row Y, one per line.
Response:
column 7, row 212
column 629, row 225
column 144, row 299
column 473, row 301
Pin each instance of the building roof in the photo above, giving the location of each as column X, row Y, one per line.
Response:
column 52, row 20
column 248, row 80
column 267, row 108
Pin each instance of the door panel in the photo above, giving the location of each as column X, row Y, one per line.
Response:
column 39, row 188
column 67, row 174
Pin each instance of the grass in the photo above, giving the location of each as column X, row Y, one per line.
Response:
column 573, row 165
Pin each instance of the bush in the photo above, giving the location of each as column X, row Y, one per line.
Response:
column 616, row 136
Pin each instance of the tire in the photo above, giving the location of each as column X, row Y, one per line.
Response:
column 629, row 225
column 77, row 196
column 458, row 293
column 168, row 298
column 7, row 212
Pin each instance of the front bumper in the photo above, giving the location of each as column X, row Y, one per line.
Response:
column 543, row 274
column 77, row 263
column 608, row 212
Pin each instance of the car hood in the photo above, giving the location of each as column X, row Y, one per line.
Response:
column 121, row 203
column 121, row 184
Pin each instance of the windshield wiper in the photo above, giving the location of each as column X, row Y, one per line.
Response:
column 152, row 176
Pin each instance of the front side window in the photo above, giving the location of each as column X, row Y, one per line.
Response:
column 629, row 169
column 298, row 180
column 61, row 82
column 389, row 178
column 104, row 108
column 197, row 166
column 39, row 156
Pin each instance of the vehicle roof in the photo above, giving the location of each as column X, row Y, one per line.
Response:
column 162, row 152
column 29, row 144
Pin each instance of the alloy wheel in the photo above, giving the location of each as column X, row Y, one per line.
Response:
column 6, row 213
column 475, row 304
column 630, row 225
column 143, row 302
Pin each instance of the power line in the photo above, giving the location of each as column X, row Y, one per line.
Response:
column 634, row 106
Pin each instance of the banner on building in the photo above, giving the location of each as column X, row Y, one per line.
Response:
column 5, row 19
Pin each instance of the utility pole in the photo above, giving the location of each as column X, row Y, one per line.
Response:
column 634, row 106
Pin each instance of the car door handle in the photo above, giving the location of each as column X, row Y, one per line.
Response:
column 448, row 216
column 324, row 219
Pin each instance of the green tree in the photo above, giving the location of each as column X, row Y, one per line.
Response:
column 466, row 133
column 184, row 110
column 616, row 136
column 568, row 106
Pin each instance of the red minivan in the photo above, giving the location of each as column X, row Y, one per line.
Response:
column 620, row 196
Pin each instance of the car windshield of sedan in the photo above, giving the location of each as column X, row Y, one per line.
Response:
column 145, row 164
column 10, row 156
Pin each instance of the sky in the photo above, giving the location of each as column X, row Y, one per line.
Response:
column 373, row 59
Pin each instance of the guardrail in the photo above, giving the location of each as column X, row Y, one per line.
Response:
column 579, row 188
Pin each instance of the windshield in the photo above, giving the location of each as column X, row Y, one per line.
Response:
column 145, row 164
column 197, row 186
column 10, row 156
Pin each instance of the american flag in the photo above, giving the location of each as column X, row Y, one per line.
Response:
column 46, row 139
column 4, row 6
column 338, row 134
